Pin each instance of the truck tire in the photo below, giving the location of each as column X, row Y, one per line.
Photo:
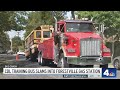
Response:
column 39, row 57
column 63, row 62
column 32, row 57
column 41, row 61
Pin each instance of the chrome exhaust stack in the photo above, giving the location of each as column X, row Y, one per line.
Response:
column 53, row 13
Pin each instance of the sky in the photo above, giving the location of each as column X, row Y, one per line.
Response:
column 13, row 33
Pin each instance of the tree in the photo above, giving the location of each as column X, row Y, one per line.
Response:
column 5, row 41
column 12, row 20
column 111, row 20
column 20, row 20
column 73, row 15
column 37, row 18
column 16, row 42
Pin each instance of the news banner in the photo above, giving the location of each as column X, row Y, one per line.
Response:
column 66, row 72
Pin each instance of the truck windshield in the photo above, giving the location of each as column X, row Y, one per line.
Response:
column 80, row 27
column 46, row 34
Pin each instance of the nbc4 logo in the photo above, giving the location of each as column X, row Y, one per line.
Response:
column 108, row 72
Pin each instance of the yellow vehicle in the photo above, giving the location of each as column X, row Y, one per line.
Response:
column 38, row 35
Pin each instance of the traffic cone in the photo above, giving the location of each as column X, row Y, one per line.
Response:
column 17, row 57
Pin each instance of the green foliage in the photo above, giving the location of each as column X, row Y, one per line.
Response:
column 73, row 15
column 20, row 20
column 116, row 48
column 111, row 20
column 16, row 42
column 21, row 48
column 12, row 20
column 38, row 18
column 6, row 20
column 5, row 41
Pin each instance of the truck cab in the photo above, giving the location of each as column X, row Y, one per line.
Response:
column 74, row 42
column 80, row 44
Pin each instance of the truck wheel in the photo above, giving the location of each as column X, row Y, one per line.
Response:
column 63, row 62
column 39, row 57
column 41, row 61
column 32, row 57
column 116, row 64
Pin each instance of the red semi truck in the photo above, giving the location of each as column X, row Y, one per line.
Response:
column 74, row 42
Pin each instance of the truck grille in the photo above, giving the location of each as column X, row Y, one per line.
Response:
column 90, row 47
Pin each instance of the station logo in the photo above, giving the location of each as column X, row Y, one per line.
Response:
column 109, row 72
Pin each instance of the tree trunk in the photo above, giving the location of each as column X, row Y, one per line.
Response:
column 73, row 15
column 113, row 48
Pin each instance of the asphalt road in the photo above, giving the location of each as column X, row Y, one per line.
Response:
column 28, row 64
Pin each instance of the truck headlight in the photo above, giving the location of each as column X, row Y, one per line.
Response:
column 106, row 50
column 71, row 50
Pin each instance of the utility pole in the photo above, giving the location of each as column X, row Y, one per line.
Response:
column 11, row 44
column 18, row 33
column 113, row 42
column 73, row 15
column 53, row 14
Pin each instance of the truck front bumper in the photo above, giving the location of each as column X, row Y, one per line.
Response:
column 88, row 60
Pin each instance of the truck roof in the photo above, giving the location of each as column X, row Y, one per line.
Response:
column 43, row 27
column 77, row 21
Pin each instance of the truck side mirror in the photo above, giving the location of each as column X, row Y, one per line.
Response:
column 96, row 28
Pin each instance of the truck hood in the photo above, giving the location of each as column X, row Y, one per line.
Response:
column 83, row 35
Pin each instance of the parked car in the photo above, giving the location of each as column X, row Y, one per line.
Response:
column 116, row 62
column 21, row 53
